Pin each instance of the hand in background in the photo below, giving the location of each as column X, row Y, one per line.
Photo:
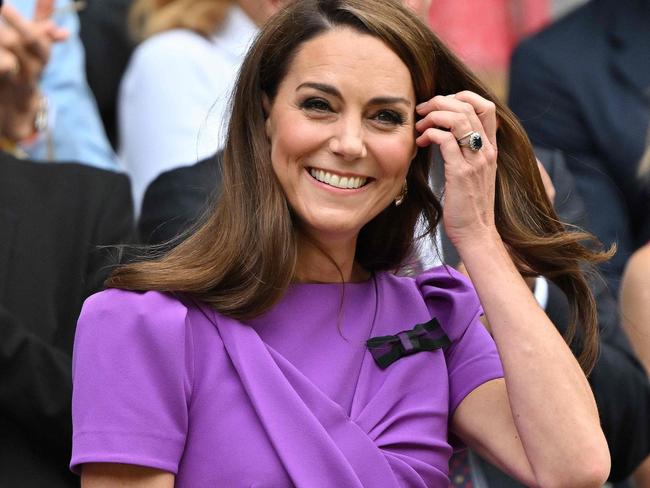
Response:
column 24, row 52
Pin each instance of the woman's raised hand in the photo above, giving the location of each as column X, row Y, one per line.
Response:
column 470, row 174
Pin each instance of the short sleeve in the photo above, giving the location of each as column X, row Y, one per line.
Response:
column 132, row 376
column 472, row 357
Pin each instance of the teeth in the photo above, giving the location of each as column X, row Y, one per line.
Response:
column 337, row 181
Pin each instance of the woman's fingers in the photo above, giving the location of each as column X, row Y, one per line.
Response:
column 457, row 123
column 486, row 112
column 451, row 104
column 461, row 119
column 480, row 112
column 449, row 148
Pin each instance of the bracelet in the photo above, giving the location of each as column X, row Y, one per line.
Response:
column 40, row 120
column 40, row 126
column 41, row 117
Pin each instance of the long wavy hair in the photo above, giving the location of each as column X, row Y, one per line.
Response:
column 242, row 258
column 149, row 17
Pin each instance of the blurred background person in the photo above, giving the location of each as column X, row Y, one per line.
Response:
column 53, row 217
column 582, row 86
column 64, row 124
column 174, row 96
column 486, row 45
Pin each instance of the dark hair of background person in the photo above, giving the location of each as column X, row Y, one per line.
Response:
column 242, row 258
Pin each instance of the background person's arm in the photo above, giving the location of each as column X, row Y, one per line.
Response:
column 635, row 300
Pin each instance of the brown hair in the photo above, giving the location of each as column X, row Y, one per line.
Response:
column 243, row 257
column 149, row 17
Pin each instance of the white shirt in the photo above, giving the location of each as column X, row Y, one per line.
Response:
column 174, row 98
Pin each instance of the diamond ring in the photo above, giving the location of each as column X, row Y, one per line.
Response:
column 471, row 140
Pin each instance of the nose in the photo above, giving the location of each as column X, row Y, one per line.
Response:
column 348, row 141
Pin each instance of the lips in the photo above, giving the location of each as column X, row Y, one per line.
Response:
column 338, row 181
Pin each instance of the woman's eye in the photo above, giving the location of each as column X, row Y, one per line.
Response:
column 316, row 104
column 389, row 117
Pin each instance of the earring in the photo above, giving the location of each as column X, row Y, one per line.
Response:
column 402, row 195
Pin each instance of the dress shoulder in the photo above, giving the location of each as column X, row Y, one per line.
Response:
column 133, row 375
column 472, row 358
column 122, row 311
column 451, row 298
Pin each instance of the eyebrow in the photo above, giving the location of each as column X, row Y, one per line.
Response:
column 334, row 92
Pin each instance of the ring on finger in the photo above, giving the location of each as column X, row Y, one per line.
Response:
column 472, row 140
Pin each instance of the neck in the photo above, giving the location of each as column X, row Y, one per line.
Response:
column 327, row 262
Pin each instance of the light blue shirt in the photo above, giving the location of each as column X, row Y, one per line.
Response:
column 75, row 130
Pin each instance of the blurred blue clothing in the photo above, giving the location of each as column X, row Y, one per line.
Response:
column 75, row 131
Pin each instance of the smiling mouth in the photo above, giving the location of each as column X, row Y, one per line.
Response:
column 337, row 181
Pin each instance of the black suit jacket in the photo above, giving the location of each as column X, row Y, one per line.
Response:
column 52, row 217
column 583, row 86
column 176, row 199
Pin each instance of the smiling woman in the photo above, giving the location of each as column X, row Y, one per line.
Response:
column 333, row 125
column 276, row 346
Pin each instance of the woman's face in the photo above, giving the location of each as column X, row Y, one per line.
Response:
column 342, row 132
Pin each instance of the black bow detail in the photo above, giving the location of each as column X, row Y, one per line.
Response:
column 423, row 337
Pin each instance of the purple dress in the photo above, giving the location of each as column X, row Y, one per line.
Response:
column 291, row 398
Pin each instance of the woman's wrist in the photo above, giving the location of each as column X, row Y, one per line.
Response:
column 479, row 243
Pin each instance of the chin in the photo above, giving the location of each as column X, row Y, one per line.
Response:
column 332, row 231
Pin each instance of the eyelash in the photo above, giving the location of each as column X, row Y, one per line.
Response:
column 317, row 104
column 387, row 117
column 394, row 118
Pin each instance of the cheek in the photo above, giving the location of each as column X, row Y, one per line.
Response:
column 397, row 155
column 291, row 139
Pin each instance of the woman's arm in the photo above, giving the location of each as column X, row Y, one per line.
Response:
column 540, row 423
column 108, row 475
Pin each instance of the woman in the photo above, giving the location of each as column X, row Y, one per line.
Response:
column 173, row 100
column 279, row 349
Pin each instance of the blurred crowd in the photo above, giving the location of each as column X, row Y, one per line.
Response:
column 112, row 116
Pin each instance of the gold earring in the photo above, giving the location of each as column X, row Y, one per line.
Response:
column 402, row 195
